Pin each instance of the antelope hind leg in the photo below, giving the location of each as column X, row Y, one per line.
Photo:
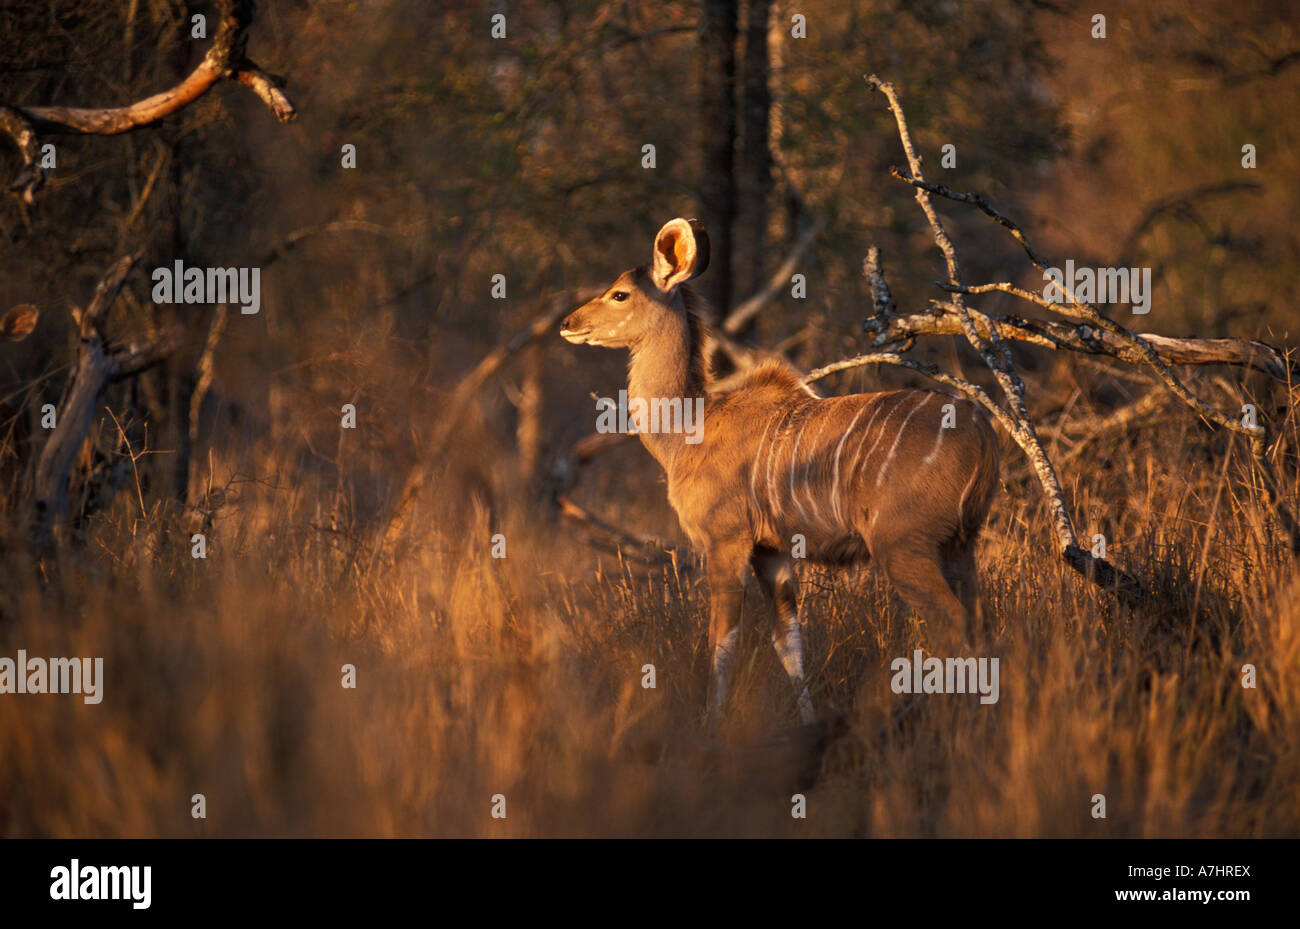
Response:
column 917, row 574
column 776, row 575
column 959, row 571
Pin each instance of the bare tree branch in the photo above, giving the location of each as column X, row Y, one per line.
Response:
column 1247, row 353
column 874, row 271
column 1077, row 309
column 225, row 59
column 1109, row 338
column 741, row 315
column 269, row 89
column 295, row 238
column 1176, row 203
column 993, row 349
column 974, row 200
column 643, row 547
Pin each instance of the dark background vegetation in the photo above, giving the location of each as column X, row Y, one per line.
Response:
column 522, row 157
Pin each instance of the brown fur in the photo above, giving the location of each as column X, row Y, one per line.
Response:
column 781, row 469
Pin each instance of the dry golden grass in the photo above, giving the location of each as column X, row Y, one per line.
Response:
column 522, row 676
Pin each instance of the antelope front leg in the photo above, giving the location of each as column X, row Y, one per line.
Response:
column 726, row 596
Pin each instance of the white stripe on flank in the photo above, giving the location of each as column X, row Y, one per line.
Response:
column 839, row 448
column 753, row 471
column 794, row 463
column 938, row 440
column 961, row 504
column 774, row 501
column 862, row 461
column 880, row 475
column 855, row 458
column 807, row 472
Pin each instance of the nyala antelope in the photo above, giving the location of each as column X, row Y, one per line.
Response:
column 902, row 476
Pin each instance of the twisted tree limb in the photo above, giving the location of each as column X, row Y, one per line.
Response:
column 874, row 271
column 224, row 60
column 97, row 365
column 1079, row 310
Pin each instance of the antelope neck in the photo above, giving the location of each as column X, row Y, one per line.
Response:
column 662, row 368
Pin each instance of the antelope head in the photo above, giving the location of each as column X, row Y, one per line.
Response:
column 638, row 303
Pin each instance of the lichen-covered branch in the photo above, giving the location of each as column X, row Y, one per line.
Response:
column 881, row 298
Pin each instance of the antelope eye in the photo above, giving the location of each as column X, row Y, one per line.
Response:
column 619, row 295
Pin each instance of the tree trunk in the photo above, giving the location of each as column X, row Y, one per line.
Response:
column 718, row 127
column 754, row 174
column 60, row 450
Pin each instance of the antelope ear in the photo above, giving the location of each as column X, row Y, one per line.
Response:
column 681, row 253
